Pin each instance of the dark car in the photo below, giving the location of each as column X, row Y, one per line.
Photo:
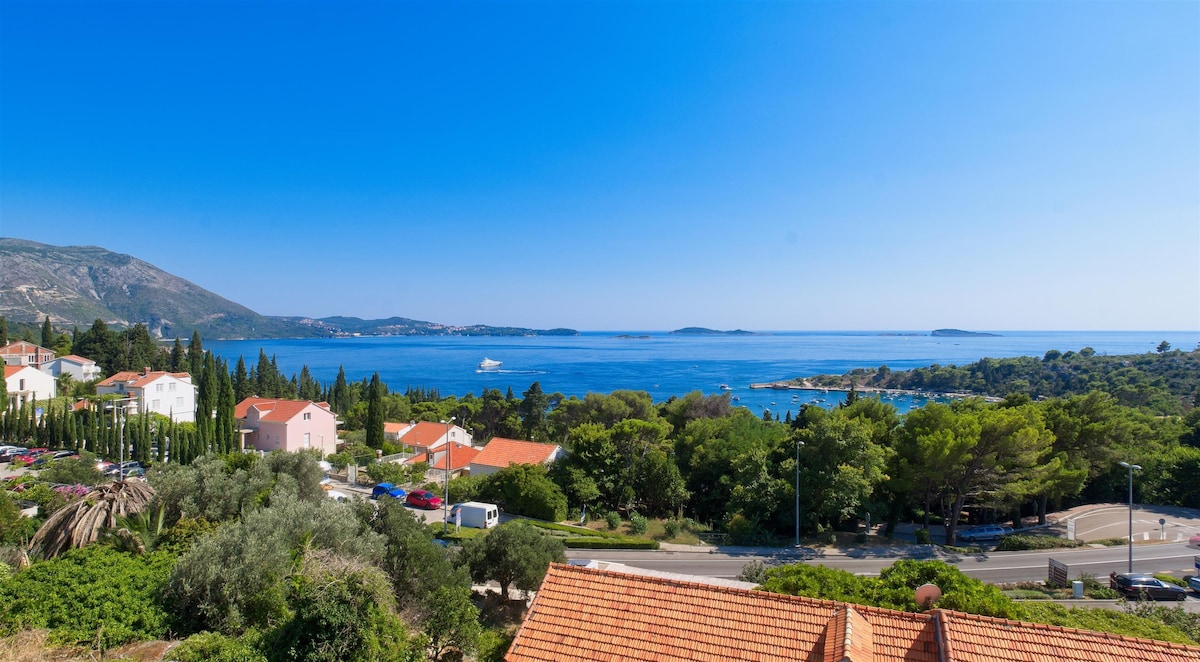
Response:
column 423, row 499
column 10, row 454
column 50, row 457
column 1136, row 586
column 387, row 489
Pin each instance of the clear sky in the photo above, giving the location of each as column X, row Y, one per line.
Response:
column 624, row 165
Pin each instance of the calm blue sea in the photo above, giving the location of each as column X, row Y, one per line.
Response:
column 666, row 365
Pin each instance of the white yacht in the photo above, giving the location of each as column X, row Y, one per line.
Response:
column 488, row 364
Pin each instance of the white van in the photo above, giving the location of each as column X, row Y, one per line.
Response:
column 474, row 514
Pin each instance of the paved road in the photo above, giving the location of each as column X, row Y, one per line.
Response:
column 994, row 567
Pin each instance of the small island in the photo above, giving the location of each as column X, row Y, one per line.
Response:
column 959, row 333
column 627, row 336
column 701, row 331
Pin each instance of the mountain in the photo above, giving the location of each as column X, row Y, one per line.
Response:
column 76, row 285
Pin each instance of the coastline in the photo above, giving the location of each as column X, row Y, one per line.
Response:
column 806, row 385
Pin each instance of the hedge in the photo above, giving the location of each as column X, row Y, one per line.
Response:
column 592, row 542
column 1016, row 543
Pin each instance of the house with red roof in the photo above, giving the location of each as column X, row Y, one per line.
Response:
column 455, row 455
column 272, row 424
column 154, row 391
column 23, row 353
column 614, row 612
column 422, row 436
column 79, row 368
column 501, row 452
column 25, row 383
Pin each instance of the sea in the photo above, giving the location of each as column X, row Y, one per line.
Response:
column 665, row 364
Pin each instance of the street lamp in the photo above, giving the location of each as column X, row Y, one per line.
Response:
column 446, row 501
column 798, row 445
column 1130, row 467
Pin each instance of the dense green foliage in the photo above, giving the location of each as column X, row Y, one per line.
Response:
column 513, row 554
column 95, row 596
column 1165, row 382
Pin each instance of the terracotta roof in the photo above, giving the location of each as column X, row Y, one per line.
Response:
column 394, row 428
column 460, row 456
column 22, row 347
column 593, row 614
column 76, row 359
column 588, row 614
column 424, row 434
column 133, row 379
column 986, row 639
column 501, row 452
column 10, row 370
column 274, row 410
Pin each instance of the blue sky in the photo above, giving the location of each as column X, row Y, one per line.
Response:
column 624, row 165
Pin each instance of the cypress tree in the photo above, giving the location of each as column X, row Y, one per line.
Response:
column 3, row 330
column 339, row 396
column 195, row 355
column 226, row 403
column 178, row 358
column 47, row 333
column 241, row 381
column 264, row 386
column 375, row 413
column 207, row 401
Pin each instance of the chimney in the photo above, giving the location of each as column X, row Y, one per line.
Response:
column 146, row 370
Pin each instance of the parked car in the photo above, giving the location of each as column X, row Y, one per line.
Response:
column 1194, row 541
column 423, row 499
column 387, row 489
column 474, row 514
column 1194, row 583
column 337, row 495
column 47, row 458
column 985, row 532
column 13, row 452
column 31, row 455
column 1135, row 586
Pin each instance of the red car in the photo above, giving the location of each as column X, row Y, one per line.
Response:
column 33, row 454
column 423, row 499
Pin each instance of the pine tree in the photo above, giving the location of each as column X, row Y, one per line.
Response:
column 339, row 397
column 533, row 411
column 241, row 381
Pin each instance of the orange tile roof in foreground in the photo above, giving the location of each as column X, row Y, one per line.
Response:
column 501, row 452
column 590, row 614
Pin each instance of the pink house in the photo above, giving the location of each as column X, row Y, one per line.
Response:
column 287, row 425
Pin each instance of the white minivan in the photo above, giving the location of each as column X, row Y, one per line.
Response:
column 474, row 514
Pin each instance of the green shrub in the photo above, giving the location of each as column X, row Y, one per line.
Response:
column 1109, row 542
column 612, row 520
column 1170, row 579
column 569, row 529
column 1025, row 594
column 493, row 644
column 1016, row 543
column 922, row 536
column 638, row 523
column 671, row 528
column 592, row 542
column 95, row 596
column 1096, row 589
column 213, row 647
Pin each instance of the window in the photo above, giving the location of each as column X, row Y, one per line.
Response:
column 158, row 388
column 179, row 401
column 307, row 417
column 21, row 386
column 307, row 438
column 171, row 386
column 154, row 404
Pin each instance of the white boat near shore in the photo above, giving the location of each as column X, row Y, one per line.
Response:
column 489, row 364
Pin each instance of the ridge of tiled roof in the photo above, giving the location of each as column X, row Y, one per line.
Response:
column 274, row 409
column 975, row 638
column 501, row 452
column 461, row 456
column 136, row 379
column 76, row 358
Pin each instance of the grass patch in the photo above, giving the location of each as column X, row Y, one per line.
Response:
column 592, row 542
column 1109, row 542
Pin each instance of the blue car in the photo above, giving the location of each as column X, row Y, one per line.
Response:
column 388, row 489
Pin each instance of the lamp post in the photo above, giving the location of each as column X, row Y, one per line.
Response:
column 798, row 445
column 446, row 501
column 1130, row 467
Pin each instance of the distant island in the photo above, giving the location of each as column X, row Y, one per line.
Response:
column 959, row 333
column 628, row 336
column 701, row 331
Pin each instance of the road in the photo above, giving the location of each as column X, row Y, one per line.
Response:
column 993, row 567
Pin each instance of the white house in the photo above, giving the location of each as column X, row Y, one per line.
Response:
column 25, row 384
column 168, row 393
column 79, row 368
